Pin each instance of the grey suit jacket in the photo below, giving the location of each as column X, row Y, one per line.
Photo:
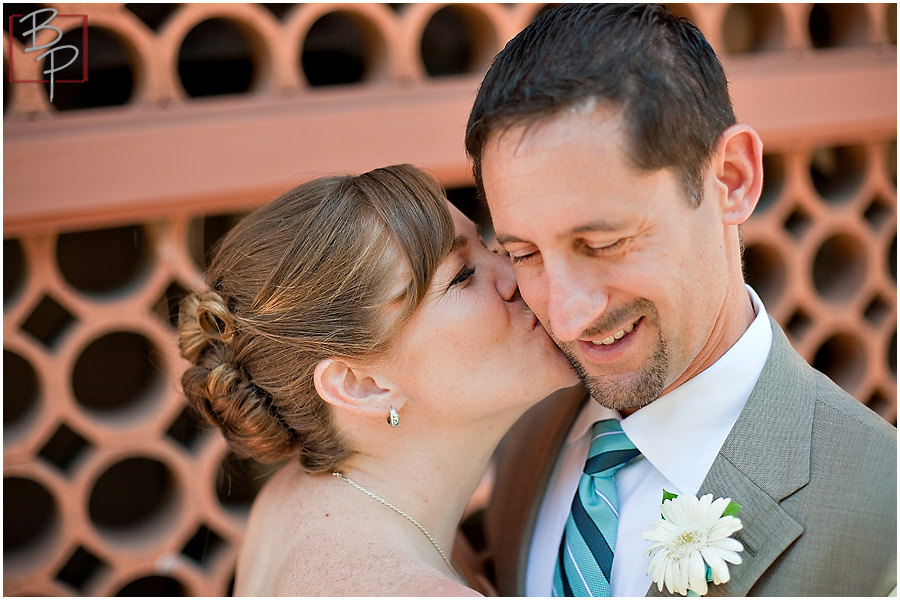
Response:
column 814, row 470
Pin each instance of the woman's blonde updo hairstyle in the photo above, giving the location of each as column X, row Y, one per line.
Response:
column 304, row 278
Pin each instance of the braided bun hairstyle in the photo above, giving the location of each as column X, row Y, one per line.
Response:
column 312, row 275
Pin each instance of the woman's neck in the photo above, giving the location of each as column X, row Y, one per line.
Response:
column 428, row 472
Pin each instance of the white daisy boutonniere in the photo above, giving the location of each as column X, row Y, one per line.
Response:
column 691, row 543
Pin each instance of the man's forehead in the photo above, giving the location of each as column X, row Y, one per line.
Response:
column 517, row 133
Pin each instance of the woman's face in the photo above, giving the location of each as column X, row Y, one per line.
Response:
column 473, row 347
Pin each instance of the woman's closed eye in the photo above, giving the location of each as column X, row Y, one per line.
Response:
column 464, row 274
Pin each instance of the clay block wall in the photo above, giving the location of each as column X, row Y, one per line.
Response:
column 194, row 114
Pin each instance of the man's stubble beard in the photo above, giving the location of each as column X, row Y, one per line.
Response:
column 627, row 391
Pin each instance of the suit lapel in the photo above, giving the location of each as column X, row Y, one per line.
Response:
column 525, row 462
column 764, row 459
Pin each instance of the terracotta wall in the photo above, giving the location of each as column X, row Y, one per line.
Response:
column 193, row 114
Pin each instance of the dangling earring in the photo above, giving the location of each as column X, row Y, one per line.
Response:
column 393, row 418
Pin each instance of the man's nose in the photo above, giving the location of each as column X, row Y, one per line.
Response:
column 504, row 277
column 575, row 303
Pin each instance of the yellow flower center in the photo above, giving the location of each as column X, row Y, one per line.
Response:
column 686, row 543
column 686, row 537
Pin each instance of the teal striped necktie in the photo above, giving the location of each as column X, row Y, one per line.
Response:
column 589, row 540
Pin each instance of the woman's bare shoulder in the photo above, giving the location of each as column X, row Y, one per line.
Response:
column 370, row 571
column 314, row 539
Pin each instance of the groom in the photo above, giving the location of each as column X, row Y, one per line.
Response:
column 604, row 142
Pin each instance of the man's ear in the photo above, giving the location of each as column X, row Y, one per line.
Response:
column 739, row 169
column 354, row 389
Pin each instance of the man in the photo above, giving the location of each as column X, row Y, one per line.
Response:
column 604, row 142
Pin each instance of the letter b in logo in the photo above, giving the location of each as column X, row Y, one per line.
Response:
column 40, row 20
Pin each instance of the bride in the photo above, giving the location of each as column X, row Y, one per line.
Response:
column 359, row 330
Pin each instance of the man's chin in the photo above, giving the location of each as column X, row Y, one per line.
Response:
column 627, row 391
column 620, row 395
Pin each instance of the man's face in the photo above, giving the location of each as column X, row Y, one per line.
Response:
column 624, row 274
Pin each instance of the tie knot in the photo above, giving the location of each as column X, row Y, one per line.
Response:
column 610, row 449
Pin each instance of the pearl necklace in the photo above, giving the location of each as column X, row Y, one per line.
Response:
column 374, row 496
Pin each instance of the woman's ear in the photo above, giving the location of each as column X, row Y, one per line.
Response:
column 354, row 389
column 739, row 170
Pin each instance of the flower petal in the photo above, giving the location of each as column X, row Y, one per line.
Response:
column 697, row 569
column 671, row 576
column 683, row 576
column 691, row 534
column 657, row 567
column 730, row 544
column 654, row 547
column 672, row 511
column 724, row 527
column 719, row 505
column 661, row 571
column 717, row 565
column 727, row 555
column 660, row 531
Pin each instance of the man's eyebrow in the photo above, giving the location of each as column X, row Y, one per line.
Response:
column 602, row 226
column 508, row 239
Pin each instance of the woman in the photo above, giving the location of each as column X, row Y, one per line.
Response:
column 346, row 303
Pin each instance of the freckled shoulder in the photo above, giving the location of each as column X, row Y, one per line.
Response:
column 368, row 569
column 306, row 537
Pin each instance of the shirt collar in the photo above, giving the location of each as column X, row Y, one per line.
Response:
column 680, row 433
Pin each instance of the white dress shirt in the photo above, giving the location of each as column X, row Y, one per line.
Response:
column 679, row 436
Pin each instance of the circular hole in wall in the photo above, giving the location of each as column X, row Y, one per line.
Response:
column 215, row 59
column 773, row 181
column 116, row 373
column 130, row 495
column 753, row 28
column 838, row 172
column 340, row 48
column 20, row 390
column 765, row 271
column 103, row 261
column 14, row 269
column 107, row 79
column 843, row 358
column 154, row 586
column 833, row 25
column 839, row 268
column 29, row 515
column 455, row 41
